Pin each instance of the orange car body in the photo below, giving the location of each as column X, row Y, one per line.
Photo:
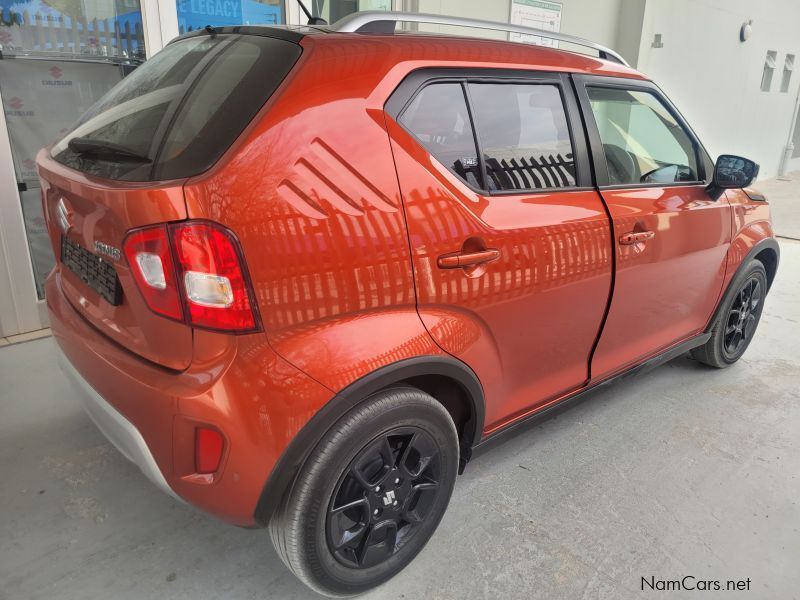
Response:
column 341, row 216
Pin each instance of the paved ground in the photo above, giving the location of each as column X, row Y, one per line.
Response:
column 784, row 197
column 682, row 471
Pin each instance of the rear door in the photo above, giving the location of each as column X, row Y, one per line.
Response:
column 510, row 242
column 124, row 163
column 671, row 237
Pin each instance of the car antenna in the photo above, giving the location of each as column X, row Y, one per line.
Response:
column 312, row 20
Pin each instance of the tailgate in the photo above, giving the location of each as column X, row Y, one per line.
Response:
column 94, row 274
column 123, row 164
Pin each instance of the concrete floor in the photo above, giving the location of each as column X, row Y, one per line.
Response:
column 681, row 471
column 784, row 197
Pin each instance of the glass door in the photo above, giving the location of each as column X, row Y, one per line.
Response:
column 196, row 14
column 58, row 58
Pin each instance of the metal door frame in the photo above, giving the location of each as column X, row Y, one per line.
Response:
column 19, row 305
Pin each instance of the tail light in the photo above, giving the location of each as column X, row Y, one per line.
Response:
column 148, row 254
column 193, row 272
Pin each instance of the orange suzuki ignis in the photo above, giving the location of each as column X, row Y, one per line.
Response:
column 303, row 273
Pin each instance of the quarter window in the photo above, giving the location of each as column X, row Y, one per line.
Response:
column 524, row 136
column 439, row 119
column 643, row 142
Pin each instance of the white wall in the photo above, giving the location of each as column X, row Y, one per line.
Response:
column 715, row 79
column 597, row 20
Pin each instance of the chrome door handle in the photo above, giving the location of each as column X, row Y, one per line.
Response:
column 636, row 238
column 467, row 259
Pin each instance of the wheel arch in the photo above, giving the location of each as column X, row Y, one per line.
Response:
column 447, row 379
column 768, row 252
column 769, row 257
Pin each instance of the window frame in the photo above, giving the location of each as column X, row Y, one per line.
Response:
column 416, row 81
column 470, row 124
column 705, row 166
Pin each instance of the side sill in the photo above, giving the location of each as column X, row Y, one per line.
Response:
column 529, row 420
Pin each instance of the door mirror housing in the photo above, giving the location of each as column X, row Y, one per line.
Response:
column 734, row 172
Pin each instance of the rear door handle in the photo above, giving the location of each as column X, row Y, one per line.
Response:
column 467, row 259
column 636, row 238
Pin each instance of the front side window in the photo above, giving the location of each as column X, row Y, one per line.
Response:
column 439, row 119
column 642, row 141
column 524, row 137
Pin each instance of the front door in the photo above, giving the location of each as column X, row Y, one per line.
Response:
column 510, row 243
column 55, row 63
column 671, row 237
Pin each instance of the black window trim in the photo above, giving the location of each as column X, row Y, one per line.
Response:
column 294, row 35
column 602, row 179
column 475, row 134
column 419, row 79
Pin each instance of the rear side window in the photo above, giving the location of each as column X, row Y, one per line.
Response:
column 524, row 137
column 174, row 116
column 439, row 119
column 643, row 142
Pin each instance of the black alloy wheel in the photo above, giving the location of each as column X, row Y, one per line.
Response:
column 742, row 317
column 736, row 323
column 384, row 495
column 370, row 494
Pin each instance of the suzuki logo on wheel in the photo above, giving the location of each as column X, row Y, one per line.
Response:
column 388, row 498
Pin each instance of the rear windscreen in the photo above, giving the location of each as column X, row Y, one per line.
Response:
column 174, row 116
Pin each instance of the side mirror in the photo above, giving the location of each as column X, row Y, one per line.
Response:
column 734, row 172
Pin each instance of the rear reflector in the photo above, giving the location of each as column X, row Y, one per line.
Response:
column 193, row 272
column 207, row 450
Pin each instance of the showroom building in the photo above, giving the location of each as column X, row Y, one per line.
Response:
column 730, row 65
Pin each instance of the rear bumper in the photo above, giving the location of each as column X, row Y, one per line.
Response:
column 235, row 384
column 119, row 431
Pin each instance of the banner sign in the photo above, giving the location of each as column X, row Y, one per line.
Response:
column 41, row 100
column 196, row 14
column 541, row 14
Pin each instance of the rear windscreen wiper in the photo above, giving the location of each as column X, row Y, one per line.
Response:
column 103, row 149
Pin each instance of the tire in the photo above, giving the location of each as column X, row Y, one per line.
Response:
column 371, row 460
column 736, row 323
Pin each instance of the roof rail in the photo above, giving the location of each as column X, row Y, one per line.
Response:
column 384, row 22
